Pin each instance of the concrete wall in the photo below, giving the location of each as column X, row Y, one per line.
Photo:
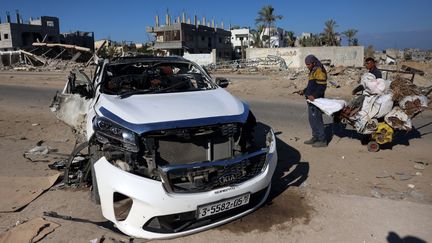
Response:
column 294, row 56
column 202, row 58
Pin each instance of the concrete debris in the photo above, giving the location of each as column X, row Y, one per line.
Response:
column 337, row 70
column 46, row 57
column 78, row 48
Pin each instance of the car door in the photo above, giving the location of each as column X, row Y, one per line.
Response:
column 73, row 104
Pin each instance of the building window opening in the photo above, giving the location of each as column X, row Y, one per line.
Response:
column 50, row 23
column 6, row 36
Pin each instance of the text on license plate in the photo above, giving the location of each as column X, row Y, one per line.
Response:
column 222, row 206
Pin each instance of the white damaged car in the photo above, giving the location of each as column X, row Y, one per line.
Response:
column 171, row 152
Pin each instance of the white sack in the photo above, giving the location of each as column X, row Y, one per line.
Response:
column 374, row 85
column 328, row 106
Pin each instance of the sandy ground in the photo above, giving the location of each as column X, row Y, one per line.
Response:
column 338, row 194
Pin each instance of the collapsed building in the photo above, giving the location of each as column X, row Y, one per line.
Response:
column 20, row 35
column 29, row 42
column 182, row 36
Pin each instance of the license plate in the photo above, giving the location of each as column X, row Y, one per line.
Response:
column 222, row 206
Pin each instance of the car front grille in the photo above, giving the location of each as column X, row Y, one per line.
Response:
column 206, row 176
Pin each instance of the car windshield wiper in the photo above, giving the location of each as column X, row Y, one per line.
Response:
column 173, row 86
column 134, row 92
column 152, row 91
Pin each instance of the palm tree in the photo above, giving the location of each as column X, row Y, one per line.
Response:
column 369, row 51
column 313, row 40
column 350, row 34
column 256, row 39
column 267, row 17
column 330, row 36
column 290, row 38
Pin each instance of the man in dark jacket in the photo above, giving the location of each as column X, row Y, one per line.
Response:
column 317, row 84
column 371, row 67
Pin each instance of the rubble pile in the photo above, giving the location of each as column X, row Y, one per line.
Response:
column 47, row 57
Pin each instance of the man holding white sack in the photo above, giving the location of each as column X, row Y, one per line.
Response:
column 317, row 84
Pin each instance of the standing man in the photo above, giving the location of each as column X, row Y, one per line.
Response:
column 371, row 67
column 317, row 84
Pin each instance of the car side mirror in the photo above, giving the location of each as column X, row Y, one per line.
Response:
column 222, row 82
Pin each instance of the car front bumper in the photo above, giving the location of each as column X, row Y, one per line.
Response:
column 151, row 202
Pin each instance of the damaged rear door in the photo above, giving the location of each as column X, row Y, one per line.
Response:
column 73, row 103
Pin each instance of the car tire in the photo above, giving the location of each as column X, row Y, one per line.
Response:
column 94, row 156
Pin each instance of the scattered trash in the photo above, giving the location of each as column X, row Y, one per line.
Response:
column 412, row 186
column 418, row 173
column 30, row 231
column 23, row 190
column 403, row 176
column 384, row 174
column 334, row 84
column 76, row 168
column 416, row 195
column 58, row 165
column 376, row 193
column 38, row 150
column 419, row 166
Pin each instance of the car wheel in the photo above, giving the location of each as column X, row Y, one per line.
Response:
column 94, row 156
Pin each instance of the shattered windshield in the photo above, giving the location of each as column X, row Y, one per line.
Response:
column 128, row 79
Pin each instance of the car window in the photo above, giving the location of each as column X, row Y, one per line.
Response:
column 154, row 77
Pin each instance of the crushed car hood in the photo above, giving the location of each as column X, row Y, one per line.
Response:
column 142, row 113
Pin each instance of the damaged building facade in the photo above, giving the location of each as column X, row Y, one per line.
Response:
column 183, row 36
column 20, row 35
column 41, row 37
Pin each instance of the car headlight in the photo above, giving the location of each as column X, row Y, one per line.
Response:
column 108, row 132
column 271, row 141
column 271, row 147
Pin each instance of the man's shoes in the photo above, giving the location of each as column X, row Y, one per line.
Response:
column 319, row 144
column 311, row 141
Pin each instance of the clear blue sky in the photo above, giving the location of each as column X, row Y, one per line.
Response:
column 384, row 23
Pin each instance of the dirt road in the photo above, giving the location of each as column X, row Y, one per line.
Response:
column 341, row 193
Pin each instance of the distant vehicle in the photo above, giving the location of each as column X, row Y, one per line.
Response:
column 171, row 152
